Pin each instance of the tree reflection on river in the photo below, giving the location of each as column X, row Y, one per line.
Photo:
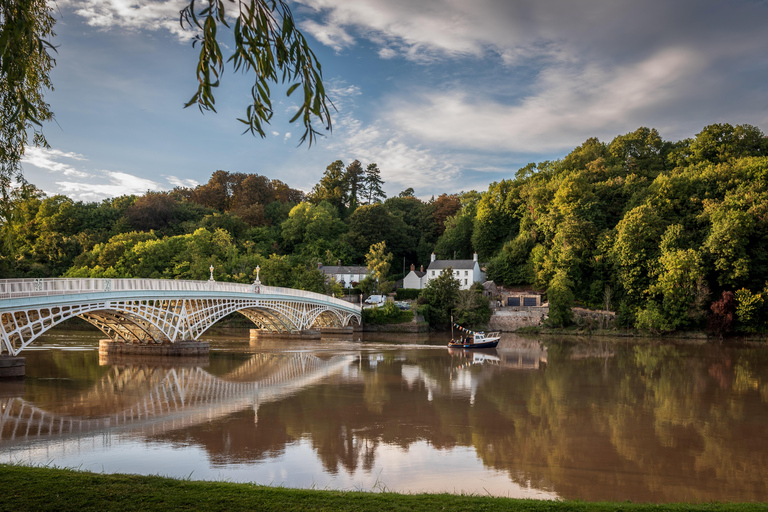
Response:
column 604, row 420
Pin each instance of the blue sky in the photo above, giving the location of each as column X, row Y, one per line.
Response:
column 444, row 95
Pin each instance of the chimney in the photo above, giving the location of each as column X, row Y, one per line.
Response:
column 340, row 262
column 413, row 267
column 319, row 264
column 422, row 268
column 474, row 258
column 432, row 258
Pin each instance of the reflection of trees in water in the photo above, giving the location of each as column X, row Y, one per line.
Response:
column 642, row 422
column 647, row 423
column 659, row 425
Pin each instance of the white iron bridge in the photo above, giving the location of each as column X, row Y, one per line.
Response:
column 158, row 311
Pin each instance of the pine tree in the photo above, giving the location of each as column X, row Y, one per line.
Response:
column 354, row 179
column 373, row 183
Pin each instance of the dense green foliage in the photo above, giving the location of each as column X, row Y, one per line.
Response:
column 439, row 299
column 658, row 230
column 407, row 293
column 389, row 313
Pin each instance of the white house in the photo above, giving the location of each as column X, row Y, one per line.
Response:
column 345, row 275
column 466, row 271
column 415, row 278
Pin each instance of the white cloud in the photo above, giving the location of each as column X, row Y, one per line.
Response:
column 132, row 15
column 180, row 182
column 570, row 103
column 287, row 136
column 403, row 163
column 47, row 159
column 117, row 184
column 387, row 53
column 329, row 35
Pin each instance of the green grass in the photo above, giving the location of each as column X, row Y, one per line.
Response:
column 36, row 488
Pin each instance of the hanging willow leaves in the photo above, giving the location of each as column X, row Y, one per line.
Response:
column 267, row 44
column 25, row 63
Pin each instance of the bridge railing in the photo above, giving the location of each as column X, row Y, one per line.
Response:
column 17, row 288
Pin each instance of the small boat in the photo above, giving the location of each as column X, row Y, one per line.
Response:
column 476, row 340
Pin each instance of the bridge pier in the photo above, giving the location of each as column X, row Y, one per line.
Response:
column 189, row 348
column 12, row 367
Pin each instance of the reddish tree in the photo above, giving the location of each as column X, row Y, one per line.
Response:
column 723, row 314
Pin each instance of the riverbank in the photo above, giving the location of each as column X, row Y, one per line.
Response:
column 29, row 488
column 690, row 336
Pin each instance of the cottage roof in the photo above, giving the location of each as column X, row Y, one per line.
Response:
column 418, row 273
column 335, row 270
column 456, row 264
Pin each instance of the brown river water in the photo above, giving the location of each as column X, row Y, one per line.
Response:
column 535, row 418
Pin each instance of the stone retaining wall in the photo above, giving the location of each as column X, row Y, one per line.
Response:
column 510, row 320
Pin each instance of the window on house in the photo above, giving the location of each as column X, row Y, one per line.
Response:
column 466, row 272
column 465, row 281
column 433, row 272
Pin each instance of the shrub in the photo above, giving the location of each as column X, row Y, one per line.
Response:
column 748, row 306
column 386, row 314
column 407, row 294
column 561, row 299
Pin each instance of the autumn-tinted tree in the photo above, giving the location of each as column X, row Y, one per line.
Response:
column 153, row 210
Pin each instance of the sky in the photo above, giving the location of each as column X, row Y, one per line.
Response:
column 444, row 95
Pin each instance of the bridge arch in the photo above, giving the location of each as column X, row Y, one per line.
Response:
column 157, row 311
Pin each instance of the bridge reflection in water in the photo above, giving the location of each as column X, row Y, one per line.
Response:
column 594, row 421
column 155, row 400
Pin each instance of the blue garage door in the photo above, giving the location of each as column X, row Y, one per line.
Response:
column 529, row 301
column 513, row 301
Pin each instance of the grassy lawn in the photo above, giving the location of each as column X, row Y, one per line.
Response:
column 28, row 488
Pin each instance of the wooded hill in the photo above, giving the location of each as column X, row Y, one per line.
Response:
column 672, row 235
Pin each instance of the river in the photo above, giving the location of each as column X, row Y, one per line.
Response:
column 534, row 418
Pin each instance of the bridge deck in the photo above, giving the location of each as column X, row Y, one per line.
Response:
column 157, row 310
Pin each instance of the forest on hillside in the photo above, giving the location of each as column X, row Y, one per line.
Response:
column 671, row 235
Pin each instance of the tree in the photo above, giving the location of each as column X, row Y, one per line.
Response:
column 354, row 181
column 266, row 43
column 373, row 183
column 154, row 210
column 378, row 262
column 561, row 299
column 440, row 297
column 25, row 64
column 723, row 314
column 371, row 224
column 332, row 187
column 722, row 142
column 472, row 309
